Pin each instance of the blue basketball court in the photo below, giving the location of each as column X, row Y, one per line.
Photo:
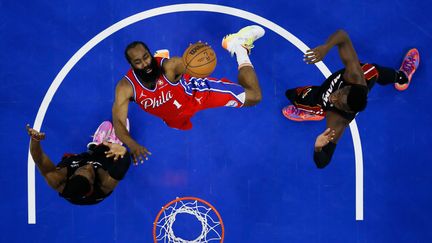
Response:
column 60, row 64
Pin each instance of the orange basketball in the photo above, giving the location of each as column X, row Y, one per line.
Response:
column 200, row 60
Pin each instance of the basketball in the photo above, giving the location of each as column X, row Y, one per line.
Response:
column 200, row 60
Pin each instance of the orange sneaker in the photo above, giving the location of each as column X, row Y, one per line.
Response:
column 294, row 114
column 162, row 53
column 409, row 66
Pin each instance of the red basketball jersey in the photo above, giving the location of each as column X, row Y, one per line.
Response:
column 167, row 100
column 177, row 102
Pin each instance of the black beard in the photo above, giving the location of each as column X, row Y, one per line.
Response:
column 148, row 77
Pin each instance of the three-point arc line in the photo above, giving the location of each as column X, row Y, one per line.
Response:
column 174, row 9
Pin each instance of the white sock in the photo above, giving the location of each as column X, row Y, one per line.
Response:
column 242, row 56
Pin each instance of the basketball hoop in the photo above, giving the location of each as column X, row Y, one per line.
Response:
column 212, row 228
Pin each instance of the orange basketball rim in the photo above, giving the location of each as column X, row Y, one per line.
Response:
column 192, row 205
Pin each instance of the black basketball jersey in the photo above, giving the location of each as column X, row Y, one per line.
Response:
column 336, row 81
column 97, row 159
column 315, row 99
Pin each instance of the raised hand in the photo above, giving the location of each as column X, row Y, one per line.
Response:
column 324, row 138
column 315, row 55
column 116, row 150
column 35, row 135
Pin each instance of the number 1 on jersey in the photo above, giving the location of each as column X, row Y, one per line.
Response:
column 177, row 104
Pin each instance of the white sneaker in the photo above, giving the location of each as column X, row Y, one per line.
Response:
column 245, row 38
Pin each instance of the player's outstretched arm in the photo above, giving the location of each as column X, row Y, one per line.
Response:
column 325, row 143
column 42, row 161
column 347, row 53
column 174, row 68
column 339, row 38
column 123, row 94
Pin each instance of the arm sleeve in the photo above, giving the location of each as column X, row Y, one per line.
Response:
column 322, row 159
column 120, row 167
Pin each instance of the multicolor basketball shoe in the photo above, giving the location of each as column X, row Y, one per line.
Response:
column 294, row 114
column 112, row 138
column 409, row 66
column 245, row 38
column 102, row 133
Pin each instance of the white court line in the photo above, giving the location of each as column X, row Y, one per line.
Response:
column 166, row 10
column 358, row 169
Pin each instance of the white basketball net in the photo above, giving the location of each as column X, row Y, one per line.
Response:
column 209, row 226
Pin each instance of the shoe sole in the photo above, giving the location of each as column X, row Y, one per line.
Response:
column 300, row 119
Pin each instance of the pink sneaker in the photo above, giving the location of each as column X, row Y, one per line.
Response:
column 102, row 133
column 112, row 138
column 294, row 114
column 409, row 66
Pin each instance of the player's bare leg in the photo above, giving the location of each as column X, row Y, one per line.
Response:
column 241, row 44
column 249, row 81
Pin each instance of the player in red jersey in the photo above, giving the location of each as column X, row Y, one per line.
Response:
column 161, row 87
